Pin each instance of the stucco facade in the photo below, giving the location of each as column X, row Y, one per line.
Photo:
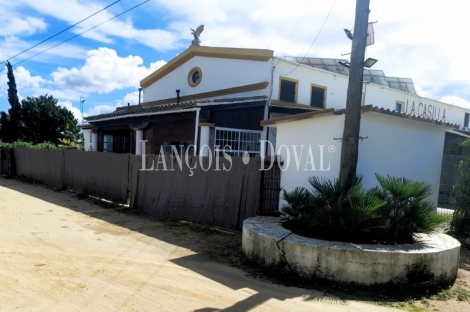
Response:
column 217, row 74
column 336, row 86
column 214, row 79
column 391, row 145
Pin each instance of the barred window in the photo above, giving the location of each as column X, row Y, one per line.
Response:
column 235, row 142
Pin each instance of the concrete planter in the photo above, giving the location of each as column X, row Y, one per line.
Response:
column 433, row 259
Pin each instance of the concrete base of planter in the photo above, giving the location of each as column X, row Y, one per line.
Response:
column 433, row 258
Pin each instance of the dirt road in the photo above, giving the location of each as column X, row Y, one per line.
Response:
column 60, row 253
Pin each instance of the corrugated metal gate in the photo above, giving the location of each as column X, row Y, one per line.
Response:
column 449, row 177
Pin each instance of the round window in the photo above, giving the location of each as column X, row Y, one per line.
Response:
column 195, row 76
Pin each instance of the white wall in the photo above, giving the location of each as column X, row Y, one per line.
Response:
column 400, row 148
column 336, row 84
column 309, row 132
column 272, row 132
column 86, row 134
column 217, row 73
column 395, row 146
column 376, row 95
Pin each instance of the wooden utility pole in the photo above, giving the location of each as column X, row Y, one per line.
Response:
column 352, row 120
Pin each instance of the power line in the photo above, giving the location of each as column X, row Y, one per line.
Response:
column 293, row 33
column 318, row 34
column 62, row 31
column 81, row 33
column 297, row 33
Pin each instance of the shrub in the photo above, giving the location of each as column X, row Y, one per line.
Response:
column 332, row 210
column 406, row 211
column 298, row 203
column 461, row 220
column 43, row 145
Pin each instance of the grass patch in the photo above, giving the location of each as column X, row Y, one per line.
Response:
column 459, row 293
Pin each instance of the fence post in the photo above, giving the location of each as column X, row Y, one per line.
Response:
column 11, row 163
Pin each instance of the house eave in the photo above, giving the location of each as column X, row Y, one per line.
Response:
column 364, row 109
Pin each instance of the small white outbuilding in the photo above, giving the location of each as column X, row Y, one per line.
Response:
column 392, row 143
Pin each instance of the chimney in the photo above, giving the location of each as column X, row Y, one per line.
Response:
column 140, row 91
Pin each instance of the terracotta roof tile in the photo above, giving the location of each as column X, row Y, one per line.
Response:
column 135, row 109
column 366, row 108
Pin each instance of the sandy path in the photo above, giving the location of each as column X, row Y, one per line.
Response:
column 59, row 253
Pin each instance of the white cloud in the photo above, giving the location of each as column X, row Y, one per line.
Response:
column 455, row 100
column 104, row 71
column 24, row 79
column 13, row 22
column 12, row 45
column 25, row 82
column 76, row 112
column 15, row 25
column 413, row 39
column 158, row 39
column 131, row 98
column 101, row 109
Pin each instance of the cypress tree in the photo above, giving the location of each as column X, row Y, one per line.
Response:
column 14, row 125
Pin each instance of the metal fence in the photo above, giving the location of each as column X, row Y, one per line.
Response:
column 449, row 177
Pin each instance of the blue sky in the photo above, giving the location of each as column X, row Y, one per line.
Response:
column 422, row 40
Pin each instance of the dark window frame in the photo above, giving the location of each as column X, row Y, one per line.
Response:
column 318, row 87
column 283, row 97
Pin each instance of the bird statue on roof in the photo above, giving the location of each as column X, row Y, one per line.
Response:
column 196, row 33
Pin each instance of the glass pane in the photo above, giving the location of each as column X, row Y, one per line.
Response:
column 287, row 91
column 318, row 97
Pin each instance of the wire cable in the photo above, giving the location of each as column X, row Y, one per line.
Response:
column 296, row 34
column 318, row 34
column 81, row 33
column 62, row 31
column 292, row 34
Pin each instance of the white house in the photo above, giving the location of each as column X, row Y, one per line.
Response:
column 323, row 83
column 226, row 92
column 394, row 143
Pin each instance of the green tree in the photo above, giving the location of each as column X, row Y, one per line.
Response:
column 11, row 123
column 45, row 121
column 461, row 222
column 15, row 124
column 5, row 132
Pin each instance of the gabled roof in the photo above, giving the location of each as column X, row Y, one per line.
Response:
column 215, row 52
column 364, row 109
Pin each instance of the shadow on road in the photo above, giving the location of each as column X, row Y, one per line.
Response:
column 214, row 248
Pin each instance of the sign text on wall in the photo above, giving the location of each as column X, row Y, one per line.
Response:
column 426, row 111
